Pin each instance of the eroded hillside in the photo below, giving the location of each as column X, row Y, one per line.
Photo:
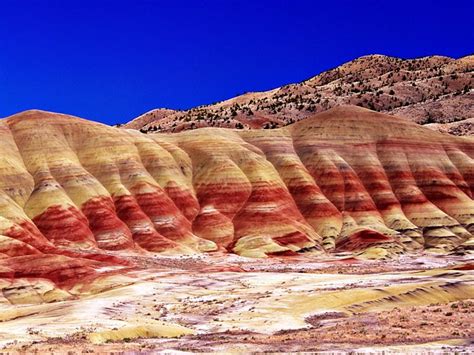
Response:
column 363, row 223
column 346, row 179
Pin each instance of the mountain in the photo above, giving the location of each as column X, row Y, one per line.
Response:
column 425, row 90
column 348, row 179
column 110, row 237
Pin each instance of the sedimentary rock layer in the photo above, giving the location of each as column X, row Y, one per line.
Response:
column 348, row 179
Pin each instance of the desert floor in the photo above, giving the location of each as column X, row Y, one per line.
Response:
column 226, row 303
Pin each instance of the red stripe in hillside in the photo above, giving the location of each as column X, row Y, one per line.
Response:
column 109, row 231
column 184, row 200
column 143, row 231
column 64, row 226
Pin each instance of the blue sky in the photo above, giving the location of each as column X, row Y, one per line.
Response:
column 110, row 61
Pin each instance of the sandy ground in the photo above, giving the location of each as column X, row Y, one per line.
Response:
column 225, row 303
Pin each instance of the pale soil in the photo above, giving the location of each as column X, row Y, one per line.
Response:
column 226, row 303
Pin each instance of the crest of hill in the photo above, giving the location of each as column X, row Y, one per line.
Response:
column 149, row 117
column 434, row 89
column 349, row 122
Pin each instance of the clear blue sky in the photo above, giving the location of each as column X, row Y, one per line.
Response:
column 110, row 61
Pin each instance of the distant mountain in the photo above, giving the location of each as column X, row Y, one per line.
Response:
column 434, row 91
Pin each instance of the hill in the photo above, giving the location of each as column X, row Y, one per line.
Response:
column 215, row 238
column 425, row 90
column 346, row 179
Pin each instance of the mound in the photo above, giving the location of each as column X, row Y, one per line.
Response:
column 425, row 90
column 73, row 193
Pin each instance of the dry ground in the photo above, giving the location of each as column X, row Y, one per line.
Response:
column 222, row 303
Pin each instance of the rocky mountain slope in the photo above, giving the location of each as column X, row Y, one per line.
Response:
column 425, row 90
column 349, row 179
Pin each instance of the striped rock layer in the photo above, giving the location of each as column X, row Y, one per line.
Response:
column 76, row 193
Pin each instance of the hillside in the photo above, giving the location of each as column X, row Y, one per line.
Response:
column 425, row 90
column 345, row 179
column 215, row 238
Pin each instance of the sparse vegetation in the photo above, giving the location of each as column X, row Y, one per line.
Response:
column 396, row 86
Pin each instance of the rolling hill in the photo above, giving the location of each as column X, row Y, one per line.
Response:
column 435, row 91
